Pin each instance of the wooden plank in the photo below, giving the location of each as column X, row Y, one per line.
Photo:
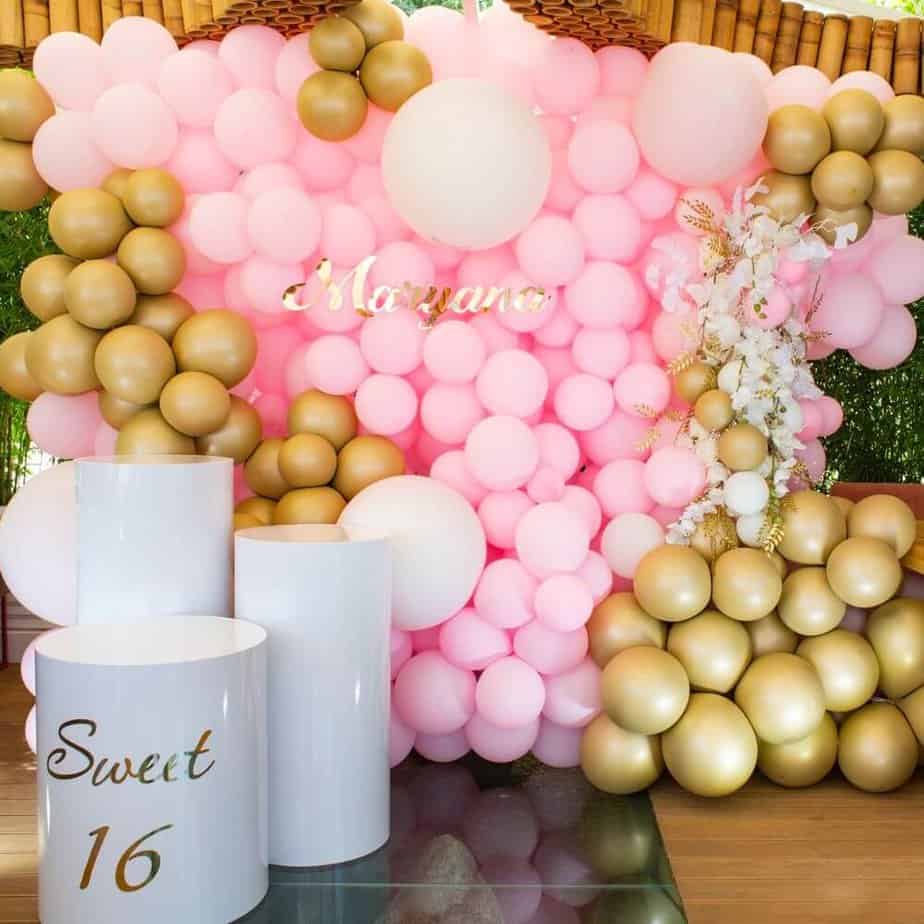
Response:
column 19, row 910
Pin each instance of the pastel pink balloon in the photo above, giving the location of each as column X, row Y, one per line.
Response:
column 546, row 485
column 898, row 269
column 674, row 476
column 218, row 227
column 557, row 746
column 606, row 295
column 250, row 53
column 70, row 67
column 275, row 346
column 583, row 402
column 851, row 311
column 389, row 225
column 652, row 194
column 293, row 67
column 550, row 651
column 267, row 178
column 509, row 693
column 198, row 163
column 892, row 343
column 622, row 70
column 486, row 267
column 552, row 539
column 602, row 353
column 573, row 697
column 563, row 603
column 366, row 181
column 560, row 328
column 400, row 650
column 425, row 640
column 254, row 126
column 64, row 426
column 558, row 448
column 603, row 156
column 133, row 126
column 366, row 144
column 596, row 574
column 642, row 389
column 134, row 48
column 832, row 414
column 334, row 364
column 558, row 129
column 863, row 80
column 284, row 225
column 348, row 235
column 582, row 502
column 671, row 334
column 273, row 411
column 433, row 696
column 627, row 539
column 470, row 642
column 400, row 739
column 800, row 84
column 505, row 593
column 608, row 109
column 386, row 404
column 65, row 154
column 450, row 468
column 393, row 342
column 453, row 352
column 400, row 262
column 621, row 437
column 500, row 745
column 814, row 458
column 512, row 382
column 685, row 212
column 610, row 226
column 811, row 420
column 564, row 193
column 323, row 165
column 104, row 443
column 202, row 291
column 620, row 486
column 550, row 251
column 774, row 311
column 442, row 749
column 502, row 452
column 522, row 307
column 557, row 363
column 566, row 77
column 450, row 412
column 499, row 512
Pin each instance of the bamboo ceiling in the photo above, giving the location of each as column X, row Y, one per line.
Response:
column 779, row 33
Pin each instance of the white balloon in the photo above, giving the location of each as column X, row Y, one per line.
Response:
column 466, row 163
column 38, row 545
column 438, row 545
column 627, row 539
column 30, row 729
column 748, row 529
column 746, row 494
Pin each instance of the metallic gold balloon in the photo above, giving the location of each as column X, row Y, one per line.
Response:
column 246, row 521
column 694, row 380
column 42, row 285
column 163, row 314
column 99, row 294
column 261, row 508
column 812, row 526
column 115, row 411
column 15, row 378
column 239, row 436
column 21, row 187
column 59, row 356
column 770, row 634
column 617, row 836
column 713, row 649
column 808, row 605
column 742, row 447
column 877, row 751
column 644, row 690
column 153, row 198
column 88, row 223
column 378, row 21
column 393, row 72
column 712, row 750
column 843, row 180
column 797, row 138
column 147, row 433
column 713, row 409
column 309, row 505
column 827, row 221
column 782, row 696
column 904, row 125
column 330, row 416
column 898, row 182
column 856, row 120
column 134, row 364
column 745, row 584
column 782, row 569
column 845, row 505
column 800, row 763
column 195, row 403
column 715, row 535
column 885, row 517
column 912, row 707
column 619, row 761
column 365, row 460
column 617, row 623
column 261, row 470
column 24, row 105
column 336, row 44
column 154, row 259
column 307, row 460
column 847, row 666
column 219, row 342
column 787, row 196
column 117, row 182
column 332, row 105
column 896, row 632
column 864, row 572
column 672, row 583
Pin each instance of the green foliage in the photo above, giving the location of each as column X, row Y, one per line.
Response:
column 410, row 5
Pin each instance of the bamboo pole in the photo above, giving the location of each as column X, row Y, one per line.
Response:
column 132, row 8
column 768, row 24
column 723, row 30
column 206, row 16
column 787, row 39
column 707, row 25
column 859, row 38
column 663, row 20
column 173, row 18
column 12, row 33
column 688, row 16
column 62, row 15
column 36, row 22
column 880, row 56
column 746, row 25
column 833, row 43
column 907, row 65
column 153, row 9
column 91, row 18
column 112, row 10
column 809, row 38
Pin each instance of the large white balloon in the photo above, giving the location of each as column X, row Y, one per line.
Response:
column 466, row 163
column 38, row 545
column 438, row 545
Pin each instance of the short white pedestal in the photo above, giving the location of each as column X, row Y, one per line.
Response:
column 323, row 595
column 152, row 759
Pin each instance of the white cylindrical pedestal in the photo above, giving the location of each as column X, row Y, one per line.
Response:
column 323, row 594
column 153, row 537
column 152, row 772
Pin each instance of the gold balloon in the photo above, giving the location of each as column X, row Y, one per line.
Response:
column 715, row 535
column 797, row 138
column 787, row 196
column 885, row 517
column 644, row 690
column 618, row 836
column 246, row 521
column 195, row 403
column 742, row 447
column 782, row 569
column 713, row 409
column 261, row 470
column 365, row 460
column 713, row 649
column 746, row 584
column 163, row 314
column 336, row 44
column 827, row 221
column 239, row 436
column 856, row 120
column 672, row 583
column 634, row 906
column 812, row 526
column 117, row 183
column 712, row 750
column 912, row 707
column 218, row 342
column 309, row 505
column 845, row 505
column 332, row 105
column 261, row 508
column 847, row 666
column 898, row 182
column 153, row 198
column 134, row 364
column 693, row 381
column 393, row 72
column 619, row 761
column 115, row 411
column 877, row 751
column 782, row 696
column 378, row 21
column 307, row 460
column 864, row 572
column 42, row 285
column 59, row 356
column 21, row 187
column 24, row 105
column 99, row 294
column 147, row 433
column 15, row 378
column 808, row 605
column 154, row 259
column 88, row 223
column 904, row 125
column 896, row 632
column 770, row 634
column 800, row 763
column 330, row 416
column 843, row 180
column 618, row 623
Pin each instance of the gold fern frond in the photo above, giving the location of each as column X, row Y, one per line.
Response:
column 649, row 440
column 681, row 363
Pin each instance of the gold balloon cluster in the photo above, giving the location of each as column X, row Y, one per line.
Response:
column 363, row 57
column 309, row 476
column 717, row 665
column 24, row 107
column 855, row 156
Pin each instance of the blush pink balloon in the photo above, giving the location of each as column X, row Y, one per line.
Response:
column 386, row 404
column 70, row 67
column 509, row 693
column 620, row 487
column 267, row 178
column 800, row 84
column 583, row 402
column 552, row 539
column 559, row 328
column 622, row 70
column 603, row 156
column 400, row 739
column 389, row 225
column 891, row 344
column 563, row 603
column 557, row 746
column 557, row 363
column 500, row 745
column 366, row 144
column 263, row 282
column 596, row 574
column 608, row 109
column 685, row 212
column 502, row 452
column 250, row 54
column 851, row 311
column 433, row 696
column 134, row 127
column 573, row 697
column 564, row 193
column 558, row 448
column 652, row 194
column 674, row 476
column 393, row 342
column 550, row 251
column 65, row 154
column 453, row 352
column 546, row 485
column 499, row 512
column 774, row 311
column 348, row 235
column 582, row 502
column 335, row 364
column 64, row 426
column 557, row 130
column 505, row 593
column 606, row 295
column 450, row 468
column 274, row 348
column 273, row 411
column 202, row 291
column 566, row 77
column 864, row 80
column 470, row 642
column 254, row 126
column 218, row 227
column 641, row 389
column 603, row 353
column 293, row 67
column 400, row 650
column 485, row 267
column 199, row 165
column 897, row 266
column 211, row 79
column 814, row 458
column 812, row 421
column 450, row 412
column 134, row 48
column 619, row 438
column 832, row 414
column 671, row 334
column 284, row 225
column 104, row 443
column 512, row 382
column 610, row 226
column 442, row 749
column 400, row 262
column 323, row 165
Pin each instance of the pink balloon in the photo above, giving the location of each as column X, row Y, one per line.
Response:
column 573, row 697
column 898, row 269
column 453, row 352
column 70, row 67
column 323, row 165
column 582, row 502
column 832, row 414
column 348, row 236
column 250, row 53
column 652, row 194
column 400, row 650
column 892, row 343
column 546, row 485
column 433, row 696
column 672, row 334
column 393, row 342
column 211, row 79
column 334, row 364
column 557, row 363
column 389, row 225
column 442, row 749
column 610, row 226
column 512, row 382
column 65, row 154
column 504, row 594
column 755, row 66
column 366, row 144
column 621, row 437
column 685, row 214
column 563, row 603
column 450, row 468
column 284, row 225
column 273, row 411
column 500, row 745
column 218, row 227
column 814, row 458
column 104, row 443
column 603, row 353
column 485, row 267
column 559, row 328
column 134, row 127
column 254, row 126
column 603, row 156
column 558, row 449
column 564, row 192
column 386, row 404
column 642, row 389
column 566, row 77
column 199, row 165
column 550, row 251
column 583, row 402
column 812, row 421
column 262, row 283
column 450, row 412
column 774, row 311
column 863, row 80
column 620, row 486
column 267, row 178
column 509, row 693
column 552, row 539
column 400, row 739
column 400, row 262
column 606, row 295
column 851, row 311
column 275, row 347
column 801, row 84
column 557, row 746
column 203, row 291
column 134, row 48
column 596, row 574
column 293, row 67
column 557, row 130
column 548, row 651
column 499, row 512
column 470, row 642
column 643, row 350
column 502, row 452
column 64, row 425
column 622, row 70
column 674, row 476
